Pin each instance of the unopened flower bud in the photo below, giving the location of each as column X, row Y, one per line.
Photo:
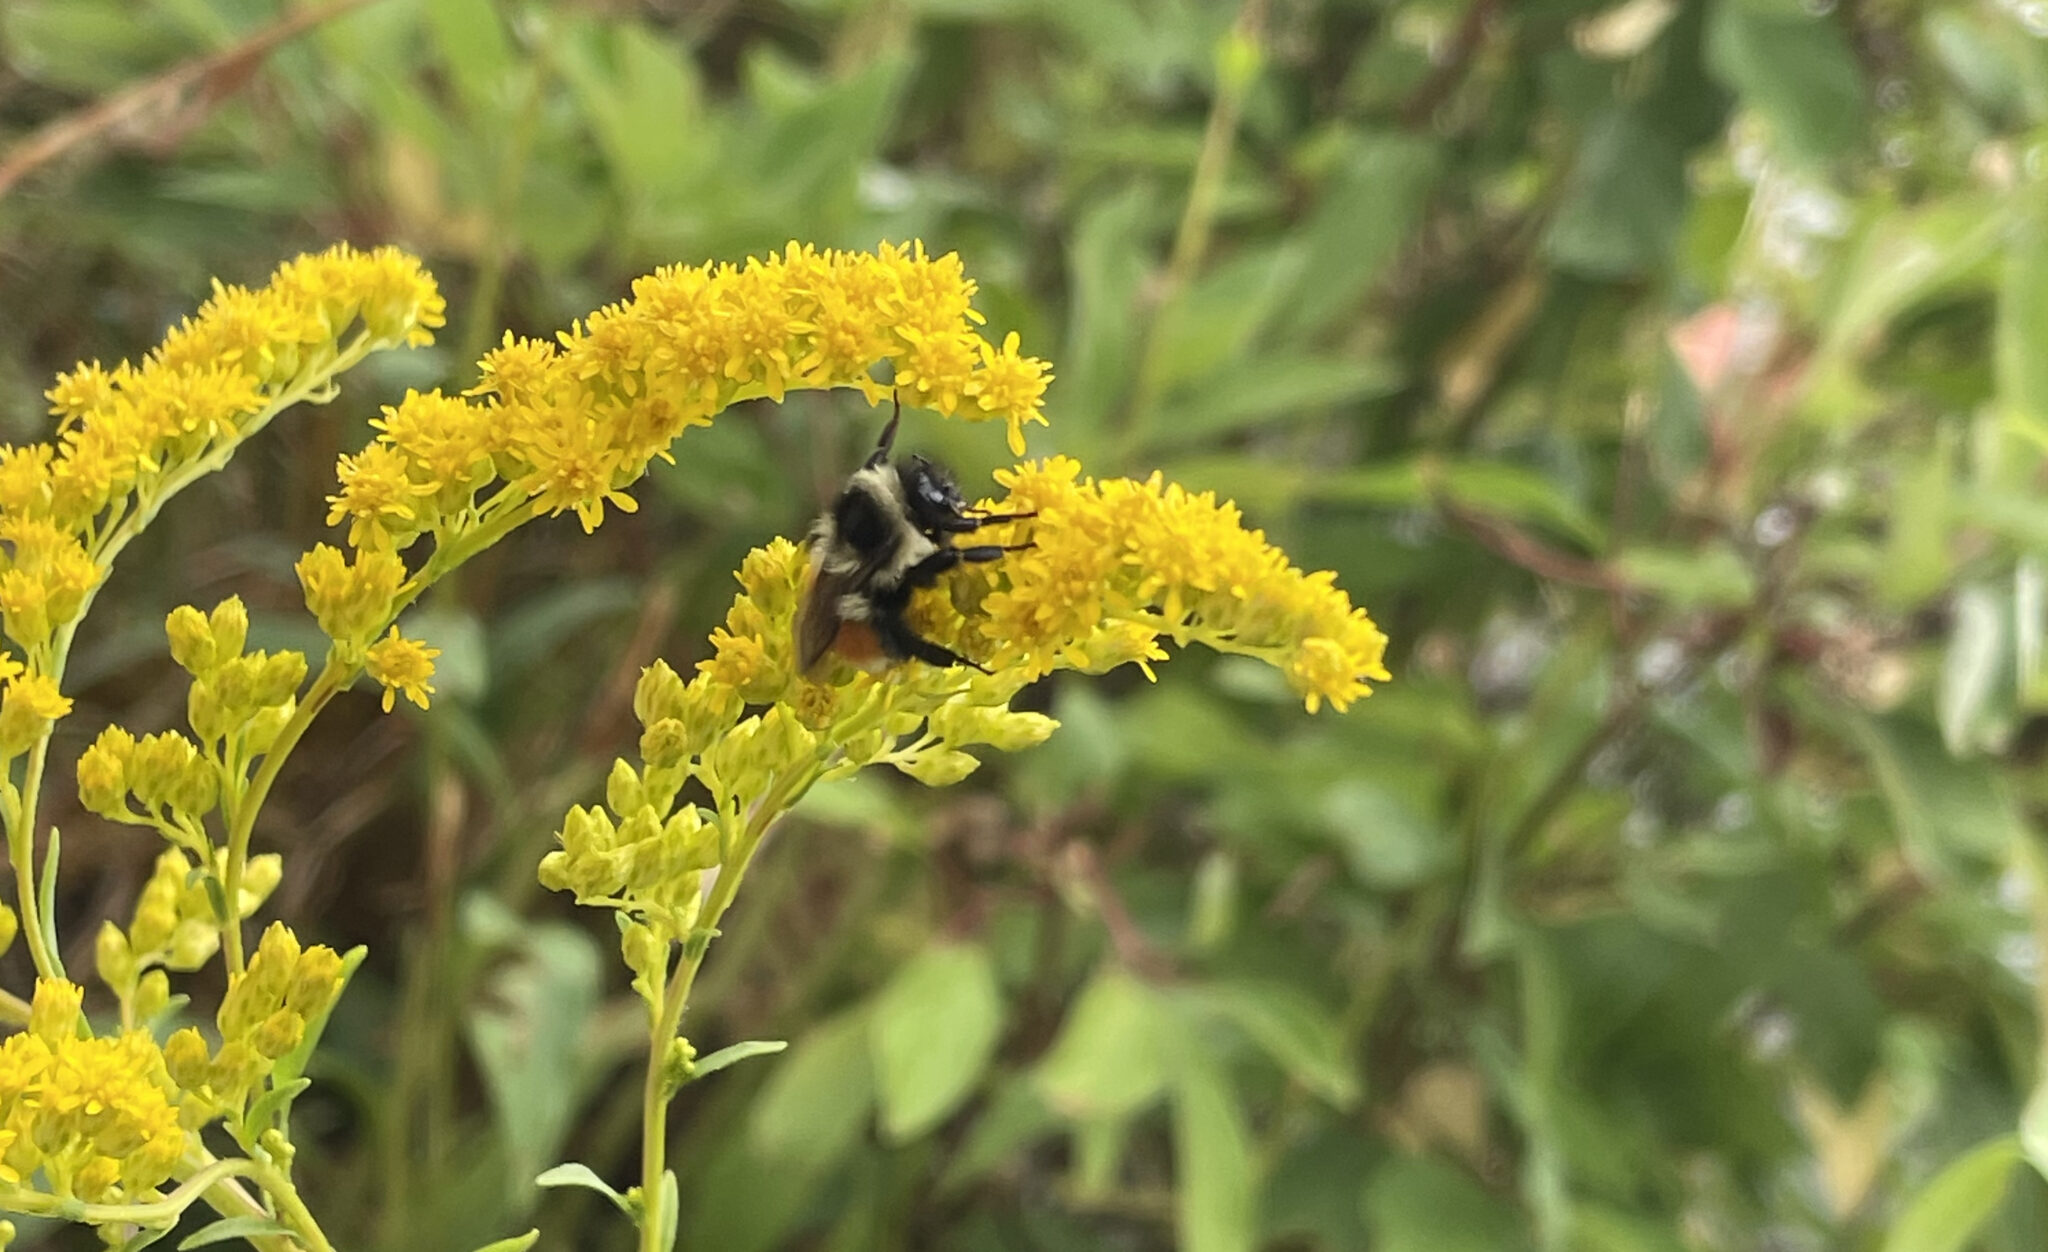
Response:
column 191, row 639
column 113, row 959
column 10, row 926
column 658, row 694
column 622, row 790
column 279, row 1033
column 187, row 1059
column 229, row 626
column 316, row 980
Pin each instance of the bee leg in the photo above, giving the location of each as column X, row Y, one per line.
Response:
column 899, row 640
column 888, row 439
column 927, row 571
column 969, row 522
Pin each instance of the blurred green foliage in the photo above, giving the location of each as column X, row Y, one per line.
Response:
column 1669, row 378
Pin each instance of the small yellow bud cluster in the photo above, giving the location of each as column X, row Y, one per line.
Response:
column 176, row 925
column 238, row 704
column 265, row 1015
column 98, row 1118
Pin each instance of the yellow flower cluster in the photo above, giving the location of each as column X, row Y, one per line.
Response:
column 266, row 1013
column 98, row 1117
column 570, row 425
column 1117, row 564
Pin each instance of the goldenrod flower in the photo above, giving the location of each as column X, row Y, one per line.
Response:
column 403, row 665
column 99, row 1117
column 350, row 599
column 28, row 704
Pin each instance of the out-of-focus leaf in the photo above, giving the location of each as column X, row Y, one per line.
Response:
column 816, row 1101
column 1795, row 68
column 1291, row 1027
column 1265, row 392
column 1510, row 491
column 1015, row 1115
column 529, row 1030
column 1625, row 199
column 1916, row 539
column 1414, row 1204
column 463, row 670
column 1708, row 577
column 1970, row 668
column 1386, row 843
column 2022, row 362
column 1364, row 216
column 934, row 1028
column 470, row 37
column 1214, row 320
column 1217, row 1203
column 641, row 95
column 1907, row 255
column 1106, row 265
column 1946, row 1214
column 1109, row 1060
column 1946, row 809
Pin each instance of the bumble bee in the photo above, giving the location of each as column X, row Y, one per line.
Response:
column 889, row 533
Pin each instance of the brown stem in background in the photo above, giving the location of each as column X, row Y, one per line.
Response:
column 1451, row 68
column 159, row 105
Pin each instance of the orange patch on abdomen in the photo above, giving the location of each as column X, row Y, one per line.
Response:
column 858, row 644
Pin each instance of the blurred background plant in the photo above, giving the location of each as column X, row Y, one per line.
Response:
column 1670, row 379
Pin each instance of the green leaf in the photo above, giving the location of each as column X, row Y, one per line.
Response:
column 234, row 1228
column 1216, row 1204
column 471, row 39
column 671, row 1211
column 1105, row 265
column 1971, row 667
column 1265, row 390
column 1300, row 1036
column 1523, row 495
column 576, row 1174
column 2021, row 343
column 1793, row 67
column 529, row 1027
column 1414, row 1204
column 934, row 1029
column 517, row 1243
column 1955, row 1204
column 1361, row 221
column 1707, row 578
column 733, row 1054
column 1946, row 810
column 1907, row 256
column 1384, row 841
column 1624, row 201
column 1109, row 1061
column 816, row 1101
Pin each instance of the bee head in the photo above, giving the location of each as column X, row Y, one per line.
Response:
column 929, row 494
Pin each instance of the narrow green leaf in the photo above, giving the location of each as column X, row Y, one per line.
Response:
column 1289, row 1026
column 577, row 1174
column 266, row 1111
column 2021, row 362
column 1264, row 391
column 934, row 1029
column 1970, row 668
column 735, row 1053
column 1948, row 1212
column 471, row 39
column 517, row 1243
column 1216, row 1200
column 1360, row 223
column 671, row 1210
column 233, row 1228
column 46, row 893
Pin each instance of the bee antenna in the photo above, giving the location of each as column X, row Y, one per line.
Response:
column 888, row 439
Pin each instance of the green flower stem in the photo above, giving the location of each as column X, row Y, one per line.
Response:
column 41, row 931
column 291, row 1210
column 162, row 1212
column 656, row 1093
column 333, row 676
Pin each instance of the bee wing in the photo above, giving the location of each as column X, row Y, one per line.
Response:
column 818, row 620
